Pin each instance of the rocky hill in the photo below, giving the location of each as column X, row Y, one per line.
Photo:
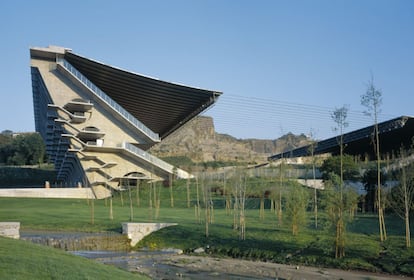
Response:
column 199, row 141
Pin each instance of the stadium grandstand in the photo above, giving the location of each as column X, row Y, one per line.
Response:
column 98, row 121
column 393, row 134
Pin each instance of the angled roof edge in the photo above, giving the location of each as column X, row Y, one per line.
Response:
column 331, row 144
column 160, row 105
column 67, row 51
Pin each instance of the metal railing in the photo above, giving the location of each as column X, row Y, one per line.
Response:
column 150, row 158
column 109, row 101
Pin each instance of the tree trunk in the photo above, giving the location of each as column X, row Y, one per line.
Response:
column 315, row 194
column 131, row 209
column 261, row 211
column 171, row 191
column 407, row 230
column 111, row 214
column 406, row 212
column 198, row 202
column 93, row 211
column 138, row 198
column 188, row 193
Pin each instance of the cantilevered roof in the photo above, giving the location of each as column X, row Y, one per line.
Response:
column 161, row 106
column 393, row 134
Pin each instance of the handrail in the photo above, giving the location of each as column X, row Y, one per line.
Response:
column 156, row 161
column 143, row 154
column 109, row 101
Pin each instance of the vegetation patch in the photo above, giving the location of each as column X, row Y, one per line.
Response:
column 25, row 176
column 268, row 235
column 24, row 260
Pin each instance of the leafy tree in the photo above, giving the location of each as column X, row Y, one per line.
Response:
column 333, row 165
column 35, row 148
column 22, row 149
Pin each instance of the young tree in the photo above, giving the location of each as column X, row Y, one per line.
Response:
column 188, row 190
column 227, row 194
column 131, row 208
column 370, row 181
column 372, row 100
column 338, row 201
column 239, row 190
column 296, row 203
column 171, row 178
column 312, row 148
column 208, row 204
column 401, row 197
column 339, row 116
column 137, row 193
column 279, row 206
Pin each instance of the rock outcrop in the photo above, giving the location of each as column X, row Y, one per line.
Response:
column 199, row 141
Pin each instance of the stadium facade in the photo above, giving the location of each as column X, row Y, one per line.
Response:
column 98, row 121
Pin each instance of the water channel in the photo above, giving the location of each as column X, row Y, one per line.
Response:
column 112, row 249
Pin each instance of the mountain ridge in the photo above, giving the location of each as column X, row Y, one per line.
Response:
column 199, row 141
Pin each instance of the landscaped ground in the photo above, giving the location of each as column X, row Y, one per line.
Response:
column 266, row 239
column 23, row 260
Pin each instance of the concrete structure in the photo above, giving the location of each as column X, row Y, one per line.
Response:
column 99, row 121
column 10, row 229
column 314, row 184
column 137, row 231
column 82, row 193
column 393, row 134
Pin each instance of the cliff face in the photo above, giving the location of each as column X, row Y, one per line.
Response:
column 199, row 141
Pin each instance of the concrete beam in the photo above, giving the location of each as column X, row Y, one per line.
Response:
column 137, row 231
column 48, row 193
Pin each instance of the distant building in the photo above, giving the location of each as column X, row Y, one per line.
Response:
column 393, row 134
column 99, row 121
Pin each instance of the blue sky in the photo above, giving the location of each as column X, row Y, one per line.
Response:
column 283, row 65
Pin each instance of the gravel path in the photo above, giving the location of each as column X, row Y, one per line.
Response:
column 263, row 270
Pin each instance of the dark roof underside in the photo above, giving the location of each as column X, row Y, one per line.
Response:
column 161, row 106
column 393, row 134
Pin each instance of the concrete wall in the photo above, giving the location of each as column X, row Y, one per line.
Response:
column 137, row 231
column 10, row 229
column 48, row 193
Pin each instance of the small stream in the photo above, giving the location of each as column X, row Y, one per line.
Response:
column 113, row 249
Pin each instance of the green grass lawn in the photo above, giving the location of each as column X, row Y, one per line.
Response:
column 266, row 239
column 24, row 260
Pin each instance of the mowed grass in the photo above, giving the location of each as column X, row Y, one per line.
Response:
column 24, row 260
column 266, row 239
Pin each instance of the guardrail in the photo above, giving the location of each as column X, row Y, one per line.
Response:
column 143, row 154
column 109, row 101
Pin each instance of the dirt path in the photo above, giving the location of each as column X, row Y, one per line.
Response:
column 263, row 270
